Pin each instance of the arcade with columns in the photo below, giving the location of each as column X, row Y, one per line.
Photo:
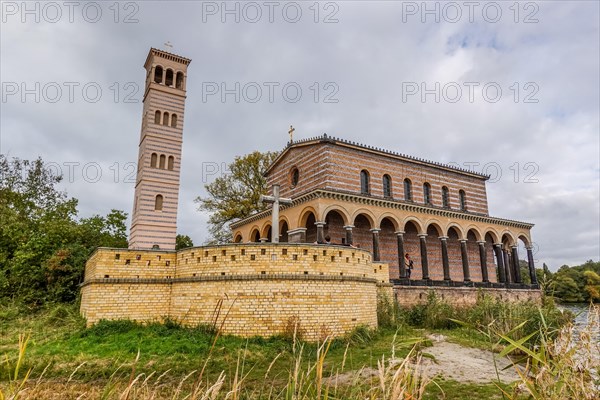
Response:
column 449, row 246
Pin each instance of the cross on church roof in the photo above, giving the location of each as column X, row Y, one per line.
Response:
column 291, row 132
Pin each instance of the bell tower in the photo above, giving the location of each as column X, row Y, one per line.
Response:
column 154, row 218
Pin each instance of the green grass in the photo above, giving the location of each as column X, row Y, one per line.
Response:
column 60, row 343
column 61, row 348
column 454, row 390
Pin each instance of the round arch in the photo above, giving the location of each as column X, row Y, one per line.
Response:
column 436, row 224
column 158, row 73
column 415, row 221
column 511, row 240
column 344, row 214
column 254, row 234
column 457, row 228
column 525, row 239
column 264, row 230
column 391, row 217
column 493, row 233
column 283, row 220
column 304, row 214
column 367, row 214
column 476, row 232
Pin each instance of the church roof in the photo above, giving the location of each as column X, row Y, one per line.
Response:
column 325, row 139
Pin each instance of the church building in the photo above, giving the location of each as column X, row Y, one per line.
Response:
column 374, row 204
column 392, row 204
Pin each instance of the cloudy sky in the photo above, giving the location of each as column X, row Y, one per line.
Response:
column 509, row 89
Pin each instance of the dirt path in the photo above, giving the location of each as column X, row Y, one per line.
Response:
column 453, row 361
column 465, row 364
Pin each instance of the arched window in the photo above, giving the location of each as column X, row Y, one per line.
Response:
column 445, row 197
column 171, row 163
column 179, row 80
column 169, row 77
column 165, row 119
column 427, row 193
column 158, row 73
column 173, row 120
column 161, row 164
column 407, row 190
column 153, row 159
column 158, row 202
column 157, row 117
column 364, row 182
column 295, row 176
column 387, row 186
column 463, row 200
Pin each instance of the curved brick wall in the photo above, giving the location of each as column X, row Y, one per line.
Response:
column 260, row 287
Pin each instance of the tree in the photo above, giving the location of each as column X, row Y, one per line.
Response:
column 576, row 284
column 183, row 241
column 43, row 246
column 236, row 195
column 592, row 286
column 567, row 289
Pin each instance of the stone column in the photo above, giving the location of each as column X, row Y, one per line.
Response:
column 500, row 262
column 531, row 265
column 445, row 260
column 297, row 235
column 507, row 268
column 515, row 260
column 465, row 260
column 320, row 231
column 401, row 259
column 483, row 261
column 348, row 229
column 376, row 255
column 424, row 265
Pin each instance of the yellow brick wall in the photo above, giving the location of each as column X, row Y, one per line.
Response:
column 286, row 258
column 264, row 307
column 260, row 287
column 136, row 301
column 125, row 263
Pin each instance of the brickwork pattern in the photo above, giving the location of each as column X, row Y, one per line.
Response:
column 326, row 165
column 261, row 287
column 463, row 296
column 163, row 138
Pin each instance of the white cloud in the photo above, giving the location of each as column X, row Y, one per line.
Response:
column 369, row 54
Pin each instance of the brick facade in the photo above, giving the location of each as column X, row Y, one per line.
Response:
column 159, row 158
column 336, row 165
column 328, row 187
column 259, row 288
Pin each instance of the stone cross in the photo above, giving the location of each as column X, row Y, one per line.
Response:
column 275, row 200
column 291, row 132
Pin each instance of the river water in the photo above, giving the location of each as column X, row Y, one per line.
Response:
column 581, row 312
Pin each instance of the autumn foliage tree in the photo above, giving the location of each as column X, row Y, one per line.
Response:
column 236, row 194
column 576, row 284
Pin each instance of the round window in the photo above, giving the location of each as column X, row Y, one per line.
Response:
column 295, row 176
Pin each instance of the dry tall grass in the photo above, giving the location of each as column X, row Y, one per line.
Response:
column 395, row 379
column 563, row 366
